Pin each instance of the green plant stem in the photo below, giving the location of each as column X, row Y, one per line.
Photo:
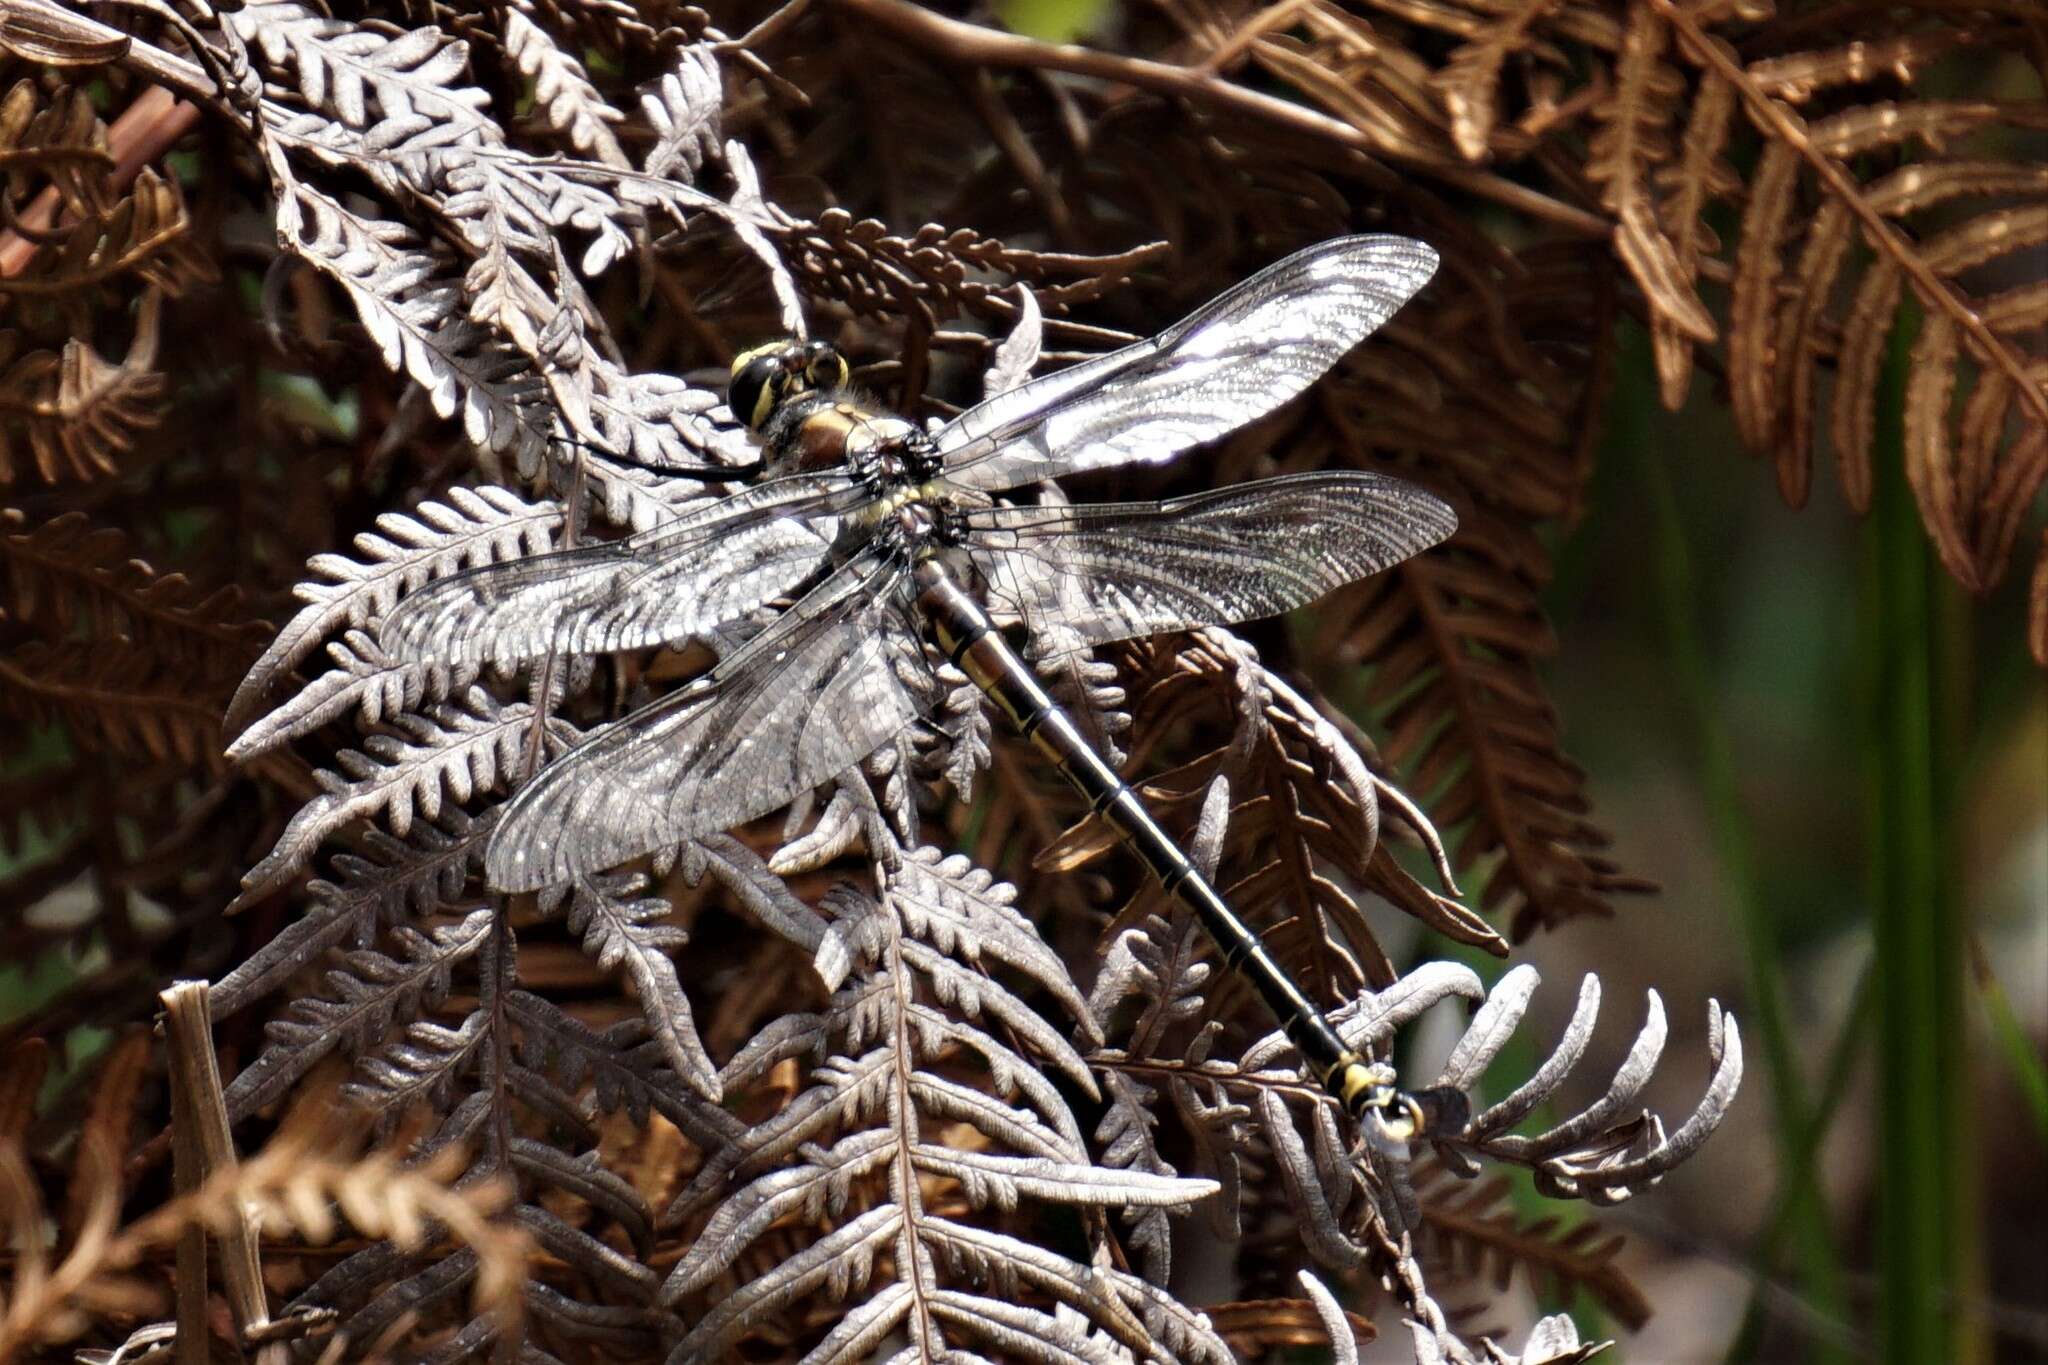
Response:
column 1923, row 1114
column 1803, row 1212
column 2022, row 1062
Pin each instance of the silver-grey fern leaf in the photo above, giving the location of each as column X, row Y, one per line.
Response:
column 904, row 1005
column 474, row 527
column 423, row 874
column 562, row 91
column 364, row 994
column 685, row 108
column 624, row 930
column 1613, row 1148
column 450, row 752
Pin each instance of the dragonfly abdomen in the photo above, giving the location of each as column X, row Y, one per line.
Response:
column 965, row 634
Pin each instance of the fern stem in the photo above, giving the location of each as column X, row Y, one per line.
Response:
column 1916, row 928
column 1804, row 1212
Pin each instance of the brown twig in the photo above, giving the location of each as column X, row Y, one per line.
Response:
column 200, row 1115
column 969, row 43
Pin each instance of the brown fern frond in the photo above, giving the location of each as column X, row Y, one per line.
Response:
column 115, row 698
column 145, row 233
column 1383, row 93
column 1468, row 82
column 1973, row 337
column 298, row 1185
column 62, row 144
column 70, row 225
column 72, row 580
column 926, row 276
column 75, row 413
column 1697, row 178
column 1634, row 137
column 1860, row 201
column 1471, row 1231
column 1458, row 642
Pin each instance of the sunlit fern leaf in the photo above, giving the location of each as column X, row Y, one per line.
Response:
column 685, row 109
column 1332, row 60
column 1468, row 82
column 914, row 1053
column 451, row 751
column 1635, row 138
column 1613, row 1148
column 562, row 91
column 474, row 527
column 1856, row 206
column 408, row 296
column 307, row 1183
column 362, row 77
column 75, row 412
column 1974, row 466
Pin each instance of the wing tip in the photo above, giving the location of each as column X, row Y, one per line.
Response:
column 1417, row 259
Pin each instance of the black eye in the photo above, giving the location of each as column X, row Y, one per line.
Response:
column 753, row 393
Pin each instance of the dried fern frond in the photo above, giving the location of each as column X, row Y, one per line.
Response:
column 860, row 1109
column 912, row 1049
column 291, row 1186
column 1470, row 1232
column 361, row 998
column 451, row 750
column 473, row 528
column 72, row 580
column 113, row 698
column 75, row 413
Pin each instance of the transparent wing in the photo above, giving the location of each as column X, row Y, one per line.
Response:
column 1236, row 358
column 1115, row 571
column 663, row 584
column 809, row 697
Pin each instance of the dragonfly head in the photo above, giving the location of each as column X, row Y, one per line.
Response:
column 766, row 377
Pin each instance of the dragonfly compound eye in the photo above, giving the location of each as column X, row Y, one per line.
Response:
column 755, row 388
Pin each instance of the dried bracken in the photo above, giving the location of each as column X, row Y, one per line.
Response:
column 442, row 290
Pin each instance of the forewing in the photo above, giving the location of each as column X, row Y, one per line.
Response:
column 664, row 584
column 811, row 696
column 1117, row 571
column 1237, row 358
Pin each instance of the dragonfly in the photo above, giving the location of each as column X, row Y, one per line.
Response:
column 893, row 538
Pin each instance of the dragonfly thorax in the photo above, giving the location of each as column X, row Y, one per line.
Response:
column 832, row 430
